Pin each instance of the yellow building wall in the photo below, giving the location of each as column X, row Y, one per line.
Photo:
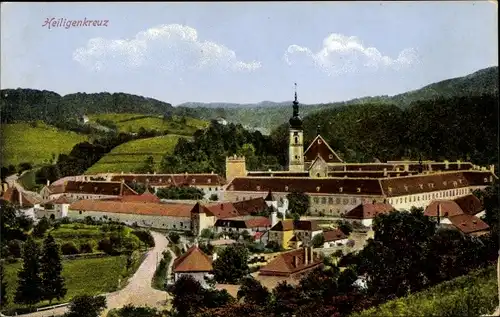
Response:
column 296, row 151
column 235, row 167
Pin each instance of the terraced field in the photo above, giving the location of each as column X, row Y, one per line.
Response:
column 130, row 156
column 35, row 143
column 129, row 122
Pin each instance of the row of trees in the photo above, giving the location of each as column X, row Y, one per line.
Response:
column 40, row 277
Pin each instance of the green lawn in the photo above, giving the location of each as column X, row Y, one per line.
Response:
column 129, row 122
column 22, row 142
column 130, row 156
column 82, row 276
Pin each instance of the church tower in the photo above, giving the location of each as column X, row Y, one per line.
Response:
column 296, row 145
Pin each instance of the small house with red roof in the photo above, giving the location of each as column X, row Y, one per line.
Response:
column 194, row 263
column 365, row 213
column 251, row 224
column 24, row 202
column 293, row 264
column 55, row 208
column 334, row 238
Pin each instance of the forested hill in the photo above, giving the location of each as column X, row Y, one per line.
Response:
column 269, row 115
column 30, row 104
column 453, row 128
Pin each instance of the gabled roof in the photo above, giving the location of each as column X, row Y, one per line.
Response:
column 19, row 198
column 319, row 147
column 368, row 211
column 97, row 188
column 137, row 208
column 247, row 207
column 61, row 200
column 468, row 223
column 269, row 196
column 146, row 197
column 284, row 263
column 334, row 235
column 306, row 225
column 200, row 209
column 243, row 222
column 283, row 225
column 172, row 179
column 469, row 204
column 194, row 260
column 223, row 210
column 445, row 208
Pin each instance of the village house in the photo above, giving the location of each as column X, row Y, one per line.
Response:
column 250, row 224
column 194, row 263
column 291, row 265
column 363, row 214
column 144, row 214
column 25, row 203
column 210, row 184
column 294, row 233
column 56, row 208
column 333, row 238
column 87, row 190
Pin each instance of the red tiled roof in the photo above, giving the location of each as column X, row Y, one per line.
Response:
column 470, row 204
column 243, row 222
column 98, row 188
column 448, row 208
column 139, row 208
column 172, row 179
column 223, row 210
column 334, row 235
column 284, row 263
column 307, row 185
column 283, row 225
column 145, row 197
column 468, row 223
column 368, row 211
column 246, row 207
column 200, row 209
column 306, row 225
column 194, row 260
column 61, row 200
column 319, row 147
column 402, row 186
column 16, row 197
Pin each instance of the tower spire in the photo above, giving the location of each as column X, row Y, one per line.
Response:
column 295, row 94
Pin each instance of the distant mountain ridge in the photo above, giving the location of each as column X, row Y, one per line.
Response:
column 480, row 82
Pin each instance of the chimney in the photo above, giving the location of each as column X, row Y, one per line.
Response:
column 122, row 172
column 214, row 257
column 407, row 167
column 459, row 164
column 446, row 164
column 20, row 198
column 154, row 173
column 311, row 255
column 492, row 169
column 274, row 218
column 48, row 183
column 305, row 256
column 212, row 173
column 385, row 171
column 295, row 261
column 439, row 213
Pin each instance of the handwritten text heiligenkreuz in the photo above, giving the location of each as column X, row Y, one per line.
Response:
column 51, row 23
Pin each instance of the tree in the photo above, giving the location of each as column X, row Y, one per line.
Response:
column 214, row 197
column 174, row 237
column 232, row 264
column 318, row 241
column 69, row 248
column 148, row 166
column 41, row 227
column 253, row 292
column 51, row 269
column 298, row 202
column 29, row 289
column 188, row 296
column 345, row 227
column 286, row 299
column 3, row 285
column 86, row 306
column 131, row 311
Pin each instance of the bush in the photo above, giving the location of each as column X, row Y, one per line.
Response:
column 214, row 197
column 174, row 237
column 69, row 248
column 145, row 236
column 274, row 246
column 87, row 247
column 105, row 246
column 15, row 248
column 65, row 221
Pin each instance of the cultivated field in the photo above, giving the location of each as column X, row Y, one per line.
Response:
column 24, row 142
column 130, row 156
column 129, row 122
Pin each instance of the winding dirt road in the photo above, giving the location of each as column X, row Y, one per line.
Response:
column 138, row 291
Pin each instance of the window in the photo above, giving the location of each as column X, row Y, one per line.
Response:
column 323, row 200
column 316, row 200
column 319, row 141
column 330, row 156
column 193, row 180
column 80, row 212
column 337, row 201
column 258, row 187
column 210, row 188
column 317, row 189
column 296, row 157
column 330, row 201
column 209, row 180
column 353, row 201
column 296, row 140
column 286, row 188
column 346, row 201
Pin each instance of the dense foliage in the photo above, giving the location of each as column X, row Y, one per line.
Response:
column 183, row 192
column 86, row 306
column 209, row 148
column 456, row 128
column 231, row 264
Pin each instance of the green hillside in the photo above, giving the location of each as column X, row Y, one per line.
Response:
column 269, row 116
column 133, row 122
column 472, row 295
column 35, row 143
column 130, row 156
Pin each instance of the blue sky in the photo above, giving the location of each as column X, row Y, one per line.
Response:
column 246, row 52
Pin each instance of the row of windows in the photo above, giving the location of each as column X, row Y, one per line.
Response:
column 430, row 196
column 331, row 200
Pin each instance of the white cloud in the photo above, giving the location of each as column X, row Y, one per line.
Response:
column 342, row 54
column 167, row 47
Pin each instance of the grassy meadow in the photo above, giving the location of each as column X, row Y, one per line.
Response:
column 82, row 276
column 24, row 142
column 129, row 122
column 130, row 156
